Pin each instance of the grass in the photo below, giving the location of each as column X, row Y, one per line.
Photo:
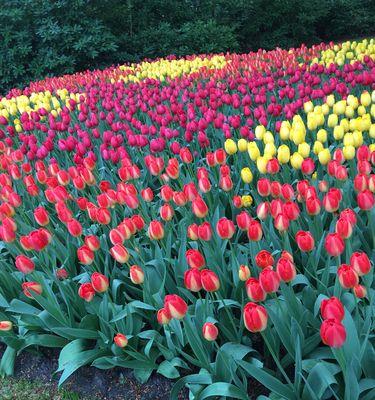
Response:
column 20, row 389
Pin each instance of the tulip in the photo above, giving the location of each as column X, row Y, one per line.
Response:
column 262, row 210
column 192, row 280
column 334, row 245
column 74, row 228
column 210, row 331
column 156, row 230
column 24, row 264
column 192, row 232
column 41, row 216
column 195, row 259
column 6, row 326
column 92, row 242
column 85, row 255
column 333, row 333
column 86, row 291
column 237, row 201
column 286, row 269
column 39, row 239
column 225, row 228
column 281, row 222
column 199, row 207
column 348, row 278
column 305, row 241
column 137, row 275
column 255, row 317
column 205, row 231
column 99, row 282
column 120, row 340
column 210, row 281
column 243, row 220
column 313, row 206
column 264, row 259
column 344, row 228
column 163, row 316
column 366, row 200
column 359, row 291
column 254, row 231
column 30, row 287
column 119, row 253
column 269, row 280
column 254, row 290
column 332, row 309
column 244, row 273
column 61, row 273
column 360, row 263
column 175, row 306
column 264, row 187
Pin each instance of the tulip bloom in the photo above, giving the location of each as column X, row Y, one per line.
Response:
column 264, row 259
column 305, row 241
column 360, row 263
column 254, row 231
column 85, row 255
column 333, row 333
column 119, row 253
column 86, row 291
column 255, row 317
column 244, row 273
column 269, row 280
column 210, row 281
column 210, row 331
column 192, row 280
column 195, row 259
column 99, row 282
column 41, row 216
column 199, row 207
column 332, row 309
column 359, row 291
column 156, row 230
column 30, row 287
column 163, row 316
column 137, row 275
column 254, row 290
column 6, row 326
column 175, row 306
column 366, row 200
column 205, row 231
column 286, row 269
column 243, row 220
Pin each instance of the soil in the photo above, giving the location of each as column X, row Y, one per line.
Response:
column 96, row 384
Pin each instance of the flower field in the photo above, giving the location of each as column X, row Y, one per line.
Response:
column 210, row 218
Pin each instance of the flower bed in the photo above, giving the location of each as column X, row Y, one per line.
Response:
column 210, row 217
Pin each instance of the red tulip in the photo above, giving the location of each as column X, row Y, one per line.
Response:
column 86, row 291
column 156, row 230
column 264, row 187
column 313, row 205
column 254, row 290
column 243, row 220
column 30, row 287
column 120, row 340
column 225, row 228
column 85, row 255
column 92, row 242
column 74, row 228
column 137, row 275
column 281, row 222
column 360, row 291
column 24, row 264
column 175, row 306
column 360, row 263
column 195, row 259
column 255, row 317
column 264, row 259
column 163, row 316
column 41, row 216
column 166, row 212
column 366, row 200
column 210, row 281
column 255, row 232
column 348, row 278
column 39, row 239
column 244, row 273
column 344, row 228
column 119, row 253
column 333, row 333
column 286, row 269
column 192, row 280
column 99, row 282
column 210, row 331
column 205, row 231
column 334, row 244
column 332, row 309
column 269, row 280
column 305, row 241
column 262, row 210
column 6, row 326
column 192, row 232
column 199, row 207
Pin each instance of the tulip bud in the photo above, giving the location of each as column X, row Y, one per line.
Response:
column 195, row 259
column 99, row 282
column 199, row 207
column 305, row 241
column 61, row 273
column 175, row 306
column 85, row 255
column 281, row 222
column 264, row 187
column 92, row 242
column 192, row 280
column 192, row 232
column 334, row 245
column 41, row 216
column 360, row 263
column 243, row 220
column 210, row 331
column 333, row 333
column 254, row 290
column 74, row 228
column 244, row 273
column 262, row 210
column 348, row 278
column 286, row 269
column 264, row 259
column 254, row 231
column 31, row 287
column 137, row 275
column 6, row 326
column 166, row 212
column 269, row 280
column 332, row 309
column 344, row 228
column 359, row 291
column 205, row 231
column 255, row 317
column 366, row 200
column 119, row 253
column 120, row 340
column 210, row 281
column 24, row 264
column 156, row 230
column 163, row 316
column 225, row 228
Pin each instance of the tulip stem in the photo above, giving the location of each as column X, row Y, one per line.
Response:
column 228, row 314
column 277, row 362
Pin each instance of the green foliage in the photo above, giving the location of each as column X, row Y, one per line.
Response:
column 48, row 37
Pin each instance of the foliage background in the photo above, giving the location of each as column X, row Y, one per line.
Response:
column 53, row 37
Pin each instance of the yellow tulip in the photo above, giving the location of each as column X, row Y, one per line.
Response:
column 325, row 109
column 268, row 137
column 308, row 107
column 361, row 110
column 304, row 149
column 246, row 175
column 260, row 130
column 339, row 107
column 318, row 147
column 358, row 138
column 230, row 146
column 324, row 156
column 330, row 101
column 338, row 132
column 321, row 135
column 283, row 154
column 262, row 164
column 332, row 120
column 372, row 131
column 349, row 112
column 349, row 152
column 247, row 200
column 296, row 160
column 270, row 150
column 253, row 151
column 365, row 99
column 242, row 145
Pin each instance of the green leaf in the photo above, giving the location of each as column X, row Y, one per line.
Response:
column 222, row 389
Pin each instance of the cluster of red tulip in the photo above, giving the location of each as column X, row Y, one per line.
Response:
column 128, row 219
